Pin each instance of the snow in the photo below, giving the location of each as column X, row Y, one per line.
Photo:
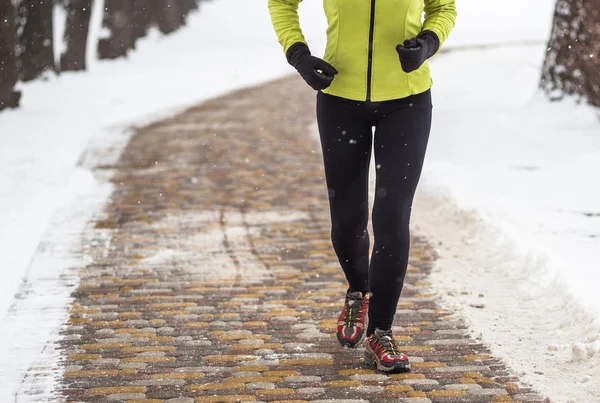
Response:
column 31, row 327
column 507, row 187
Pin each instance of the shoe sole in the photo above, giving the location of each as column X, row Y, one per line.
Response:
column 371, row 360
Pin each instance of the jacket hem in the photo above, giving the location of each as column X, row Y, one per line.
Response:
column 389, row 96
column 353, row 96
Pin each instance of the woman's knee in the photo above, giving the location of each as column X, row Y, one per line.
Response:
column 350, row 218
column 391, row 219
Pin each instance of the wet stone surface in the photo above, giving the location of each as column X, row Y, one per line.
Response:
column 213, row 279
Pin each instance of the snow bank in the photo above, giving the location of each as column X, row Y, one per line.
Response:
column 510, row 299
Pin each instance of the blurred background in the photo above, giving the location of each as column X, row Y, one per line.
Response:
column 509, row 193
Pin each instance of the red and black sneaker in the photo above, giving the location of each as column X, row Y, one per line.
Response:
column 381, row 350
column 352, row 322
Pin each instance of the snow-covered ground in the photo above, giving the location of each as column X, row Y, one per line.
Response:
column 508, row 182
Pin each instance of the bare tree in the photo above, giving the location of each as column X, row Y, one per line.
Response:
column 188, row 5
column 572, row 64
column 118, row 17
column 142, row 17
column 168, row 15
column 128, row 20
column 9, row 98
column 76, row 34
column 36, row 51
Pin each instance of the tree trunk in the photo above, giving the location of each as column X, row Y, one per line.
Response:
column 187, row 6
column 168, row 15
column 76, row 34
column 572, row 65
column 118, row 17
column 35, row 42
column 9, row 98
column 142, row 18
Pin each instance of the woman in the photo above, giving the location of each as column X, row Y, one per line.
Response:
column 374, row 75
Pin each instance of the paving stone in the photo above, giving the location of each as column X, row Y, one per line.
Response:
column 454, row 332
column 461, row 369
column 302, row 379
column 105, row 362
column 488, row 392
column 225, row 399
column 133, row 365
column 369, row 377
column 251, row 341
column 340, row 401
column 285, row 318
column 159, row 382
column 238, row 332
column 260, row 385
column 247, row 373
column 261, row 362
column 104, row 332
column 126, row 396
column 420, row 382
column 264, row 351
column 207, row 370
column 368, row 389
column 447, row 393
column 450, row 342
column 181, row 400
column 310, row 391
column 303, row 326
column 298, row 346
column 280, row 373
column 117, row 390
column 152, row 354
column 464, row 386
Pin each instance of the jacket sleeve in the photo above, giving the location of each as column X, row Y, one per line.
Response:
column 439, row 17
column 284, row 16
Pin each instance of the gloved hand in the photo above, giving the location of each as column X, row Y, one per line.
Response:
column 316, row 72
column 415, row 51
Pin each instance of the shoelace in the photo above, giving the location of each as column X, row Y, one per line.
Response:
column 386, row 340
column 353, row 309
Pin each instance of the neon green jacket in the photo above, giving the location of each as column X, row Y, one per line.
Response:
column 361, row 42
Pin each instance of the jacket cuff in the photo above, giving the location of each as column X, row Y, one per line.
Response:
column 432, row 39
column 295, row 52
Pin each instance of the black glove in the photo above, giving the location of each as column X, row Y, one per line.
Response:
column 316, row 72
column 415, row 51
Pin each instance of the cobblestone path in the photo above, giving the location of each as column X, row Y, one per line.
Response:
column 213, row 278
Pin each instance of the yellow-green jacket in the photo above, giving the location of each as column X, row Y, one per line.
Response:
column 361, row 42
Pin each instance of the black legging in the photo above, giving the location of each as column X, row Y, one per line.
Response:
column 401, row 133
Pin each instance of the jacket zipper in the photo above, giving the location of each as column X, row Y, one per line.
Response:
column 370, row 59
